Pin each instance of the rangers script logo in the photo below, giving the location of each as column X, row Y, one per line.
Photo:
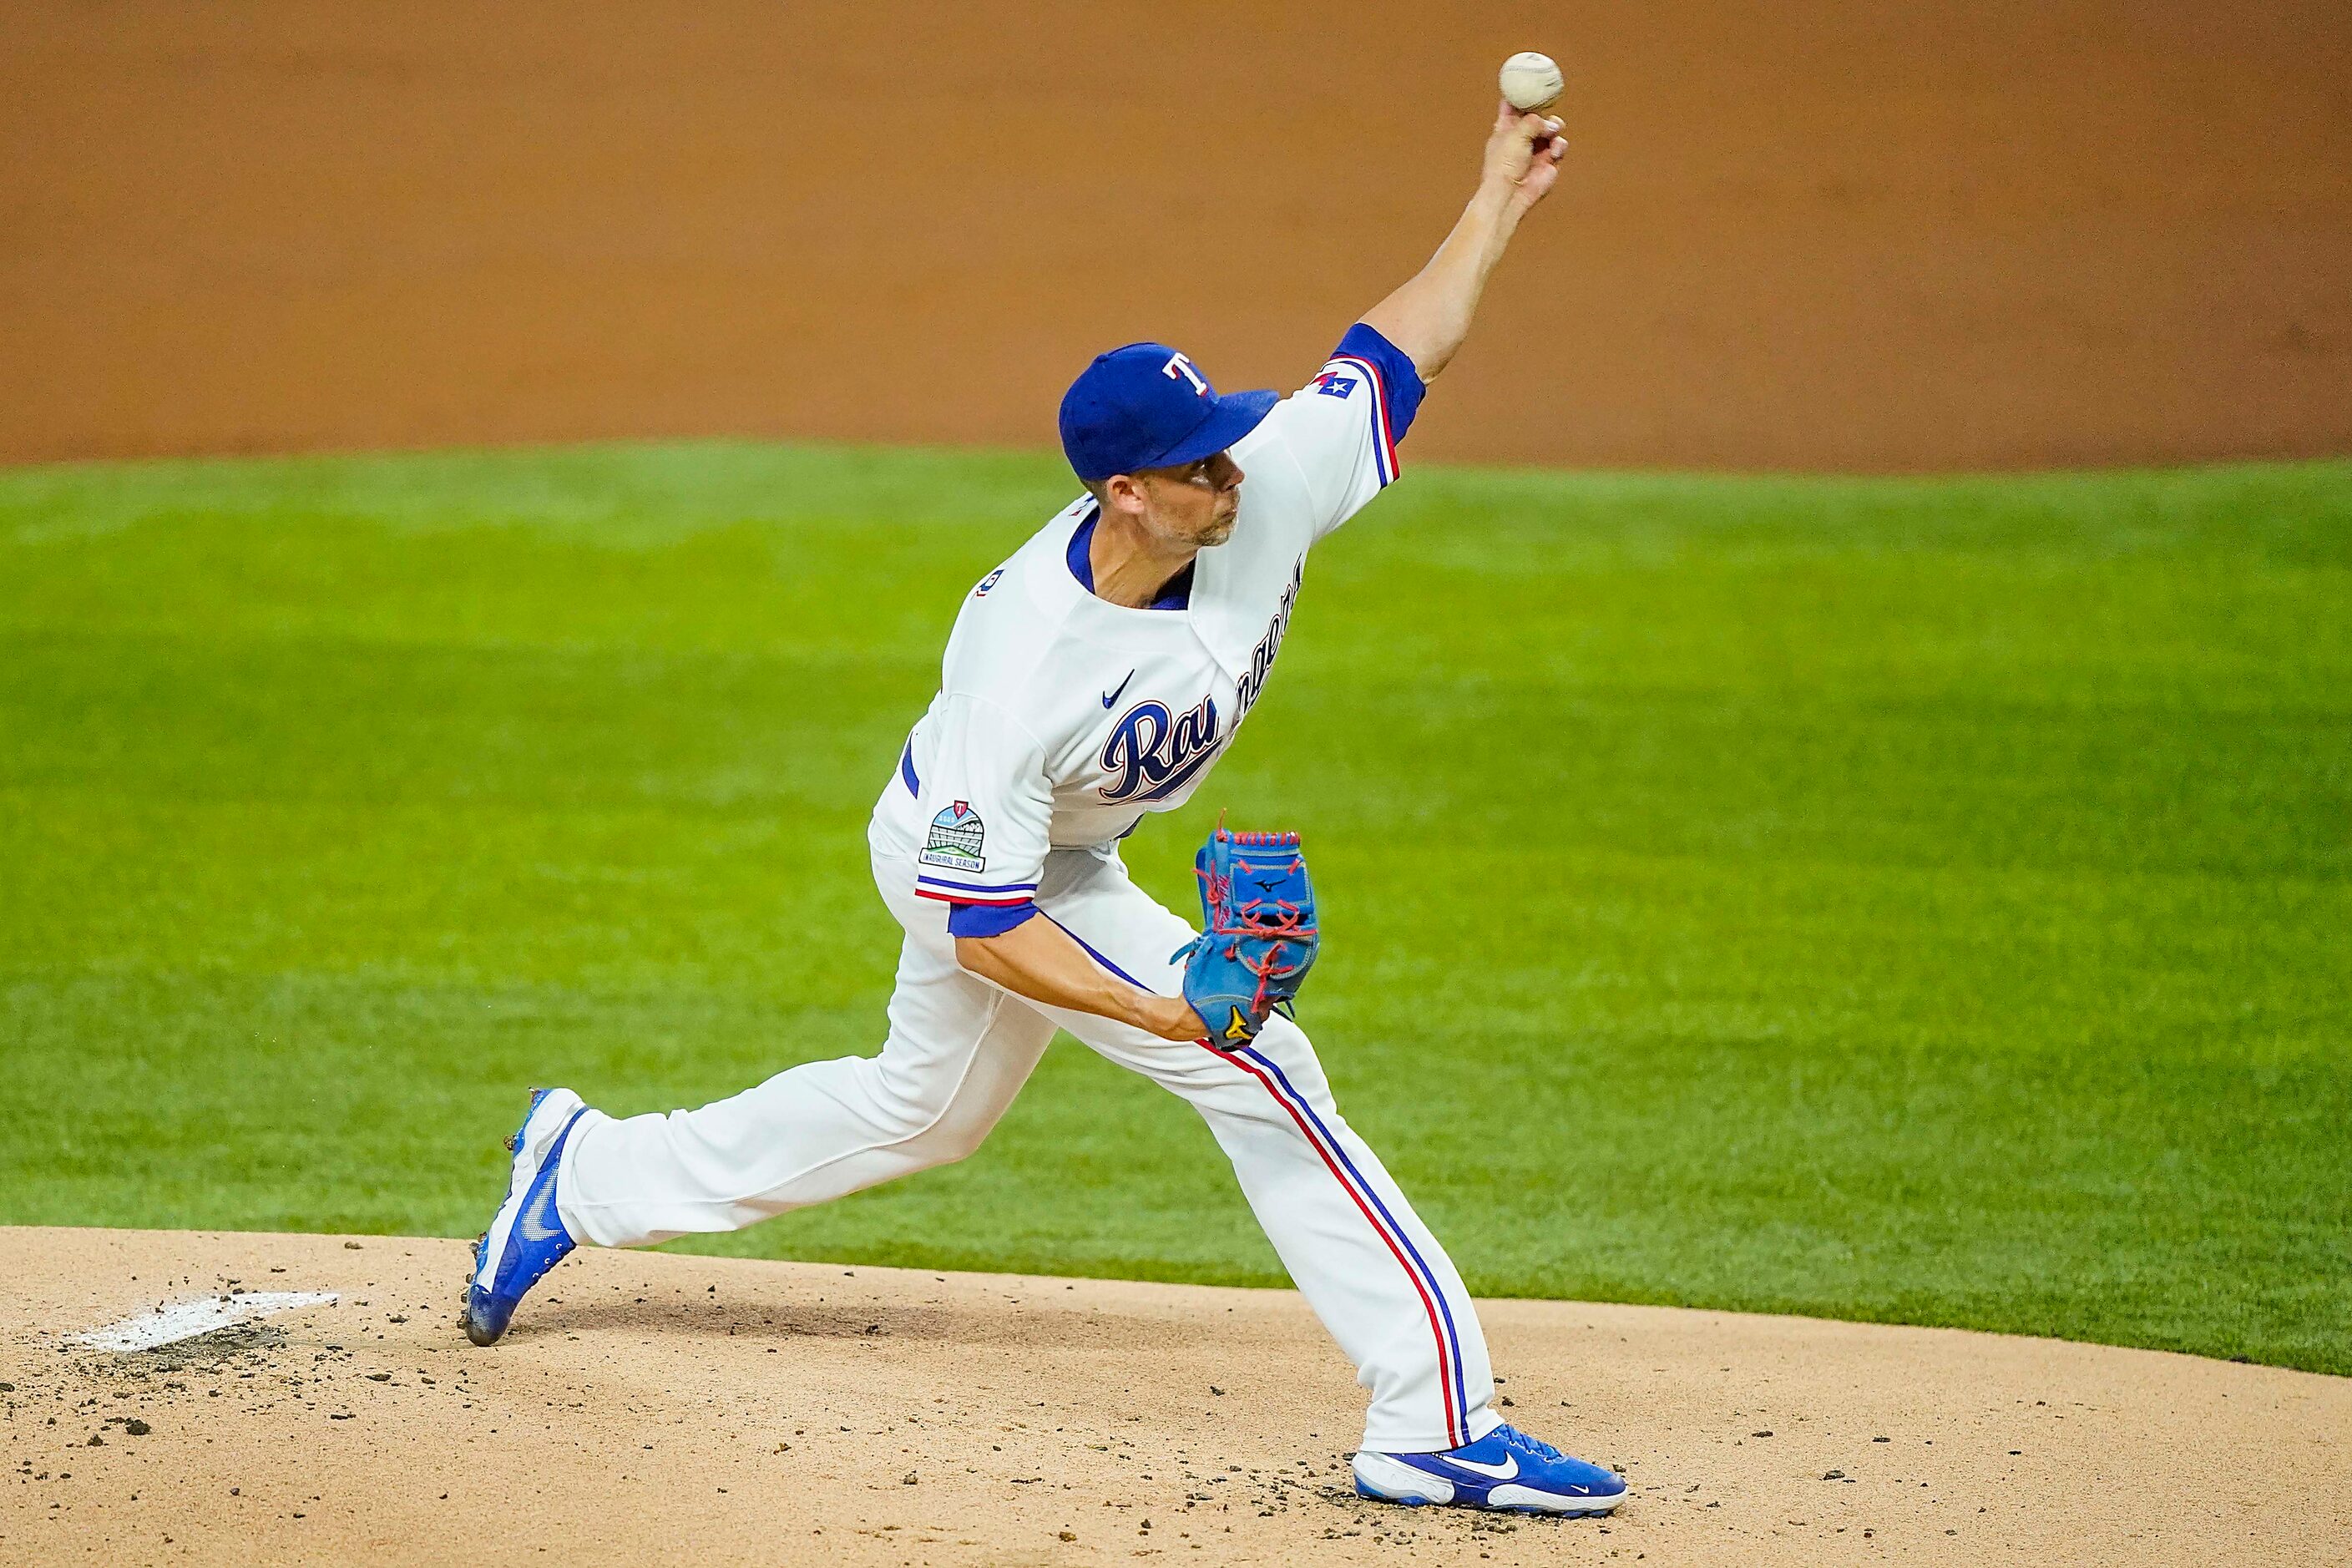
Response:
column 1261, row 665
column 1153, row 752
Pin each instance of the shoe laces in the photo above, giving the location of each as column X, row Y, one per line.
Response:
column 1535, row 1447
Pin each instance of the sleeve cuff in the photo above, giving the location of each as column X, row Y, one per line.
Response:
column 1396, row 379
column 987, row 919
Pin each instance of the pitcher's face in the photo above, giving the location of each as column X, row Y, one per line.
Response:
column 1193, row 504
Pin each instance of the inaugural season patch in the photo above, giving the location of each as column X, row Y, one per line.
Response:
column 956, row 836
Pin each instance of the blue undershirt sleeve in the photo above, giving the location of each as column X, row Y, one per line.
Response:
column 1398, row 378
column 988, row 920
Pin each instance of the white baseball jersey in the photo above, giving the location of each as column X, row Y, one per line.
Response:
column 1063, row 718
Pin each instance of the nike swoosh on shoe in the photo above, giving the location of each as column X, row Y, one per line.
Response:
column 1505, row 1472
column 533, row 1220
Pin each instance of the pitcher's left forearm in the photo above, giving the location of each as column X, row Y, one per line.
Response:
column 1039, row 960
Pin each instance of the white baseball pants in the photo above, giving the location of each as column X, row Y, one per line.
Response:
column 959, row 1049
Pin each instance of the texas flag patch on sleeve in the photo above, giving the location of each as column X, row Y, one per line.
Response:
column 1331, row 384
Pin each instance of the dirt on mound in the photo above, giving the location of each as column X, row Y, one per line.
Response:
column 649, row 1408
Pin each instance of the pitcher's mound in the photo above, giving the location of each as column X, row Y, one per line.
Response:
column 652, row 1408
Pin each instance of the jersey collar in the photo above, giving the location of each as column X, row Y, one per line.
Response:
column 1050, row 584
column 1176, row 593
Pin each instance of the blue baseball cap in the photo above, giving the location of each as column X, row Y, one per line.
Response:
column 1147, row 407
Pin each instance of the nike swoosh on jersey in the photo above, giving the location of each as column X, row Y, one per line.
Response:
column 1122, row 686
column 1502, row 1472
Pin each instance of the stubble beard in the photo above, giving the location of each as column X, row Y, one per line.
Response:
column 1220, row 525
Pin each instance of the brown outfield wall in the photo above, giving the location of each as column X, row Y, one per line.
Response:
column 1842, row 233
column 670, row 1409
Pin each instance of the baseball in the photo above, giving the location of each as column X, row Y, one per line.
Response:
column 1530, row 81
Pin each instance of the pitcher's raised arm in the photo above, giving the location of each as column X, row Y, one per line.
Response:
column 1429, row 315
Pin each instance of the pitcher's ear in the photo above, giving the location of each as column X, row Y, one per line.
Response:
column 1123, row 493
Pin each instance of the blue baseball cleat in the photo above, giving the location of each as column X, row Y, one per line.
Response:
column 526, row 1239
column 1505, row 1469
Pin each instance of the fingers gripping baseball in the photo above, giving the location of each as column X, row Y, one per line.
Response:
column 1524, row 152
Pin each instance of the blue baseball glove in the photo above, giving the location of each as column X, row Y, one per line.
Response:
column 1258, row 936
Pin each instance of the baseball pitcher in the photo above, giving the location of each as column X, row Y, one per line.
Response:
column 1095, row 677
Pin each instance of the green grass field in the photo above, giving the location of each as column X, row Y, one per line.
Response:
column 1895, row 900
